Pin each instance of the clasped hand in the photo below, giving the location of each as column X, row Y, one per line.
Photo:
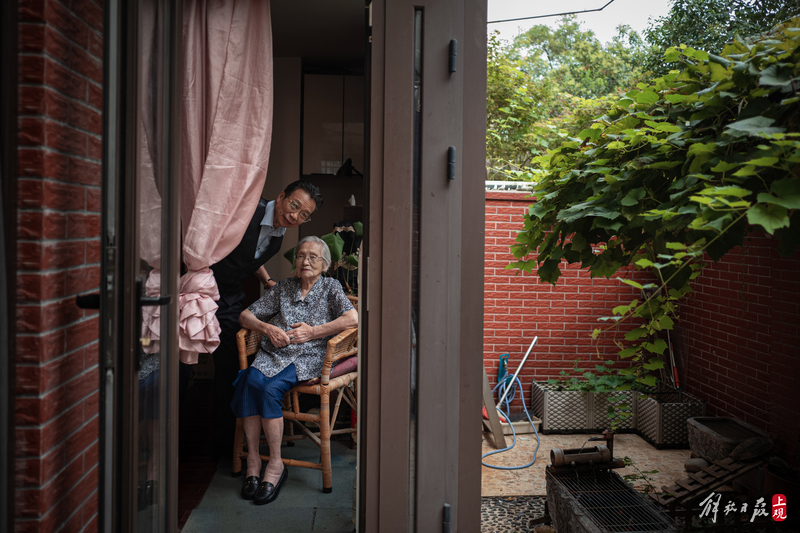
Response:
column 300, row 333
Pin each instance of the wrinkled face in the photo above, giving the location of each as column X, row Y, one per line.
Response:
column 293, row 210
column 309, row 263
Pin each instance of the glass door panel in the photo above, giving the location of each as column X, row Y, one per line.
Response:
column 141, row 264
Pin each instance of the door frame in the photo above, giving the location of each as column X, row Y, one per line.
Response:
column 120, row 262
column 8, row 254
column 446, row 464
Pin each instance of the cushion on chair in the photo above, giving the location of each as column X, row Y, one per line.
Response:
column 342, row 367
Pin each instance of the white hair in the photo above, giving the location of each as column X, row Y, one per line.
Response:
column 326, row 252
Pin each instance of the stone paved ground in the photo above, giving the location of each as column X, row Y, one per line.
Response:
column 505, row 514
column 530, row 481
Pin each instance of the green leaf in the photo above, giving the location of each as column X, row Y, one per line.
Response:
column 664, row 164
column 718, row 72
column 654, row 364
column 549, row 271
column 633, row 197
column 656, row 347
column 788, row 190
column 754, row 126
column 628, row 352
column 648, row 380
column 666, row 322
column 631, row 283
column 647, row 97
column 770, row 217
column 644, row 263
column 763, row 161
column 675, row 98
column 635, row 334
column 722, row 166
column 773, row 75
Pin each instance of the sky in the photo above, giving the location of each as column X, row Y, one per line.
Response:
column 631, row 12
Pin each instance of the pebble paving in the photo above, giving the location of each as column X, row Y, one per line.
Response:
column 507, row 514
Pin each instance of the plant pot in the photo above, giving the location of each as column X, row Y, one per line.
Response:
column 561, row 411
column 662, row 416
column 714, row 437
column 568, row 411
column 600, row 405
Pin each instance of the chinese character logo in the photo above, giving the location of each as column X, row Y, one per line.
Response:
column 779, row 507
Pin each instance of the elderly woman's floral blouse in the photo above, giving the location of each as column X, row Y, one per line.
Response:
column 282, row 306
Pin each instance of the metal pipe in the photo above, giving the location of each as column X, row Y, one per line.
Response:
column 505, row 393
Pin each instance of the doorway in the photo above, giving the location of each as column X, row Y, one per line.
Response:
column 420, row 373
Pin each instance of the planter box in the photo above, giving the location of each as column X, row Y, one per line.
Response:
column 714, row 438
column 566, row 411
column 600, row 405
column 561, row 411
column 662, row 416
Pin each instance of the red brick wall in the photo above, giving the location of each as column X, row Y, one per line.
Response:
column 518, row 307
column 60, row 100
column 739, row 340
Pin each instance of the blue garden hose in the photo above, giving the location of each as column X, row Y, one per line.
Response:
column 510, row 396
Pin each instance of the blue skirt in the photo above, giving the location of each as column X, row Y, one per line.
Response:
column 256, row 394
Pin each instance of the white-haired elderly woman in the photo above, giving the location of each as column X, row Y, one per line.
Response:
column 297, row 318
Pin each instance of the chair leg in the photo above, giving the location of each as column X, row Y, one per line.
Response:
column 325, row 440
column 238, row 447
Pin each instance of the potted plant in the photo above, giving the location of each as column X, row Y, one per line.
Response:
column 592, row 402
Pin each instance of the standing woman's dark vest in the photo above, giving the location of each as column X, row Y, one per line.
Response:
column 240, row 264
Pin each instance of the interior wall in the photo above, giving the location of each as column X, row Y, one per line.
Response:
column 335, row 193
column 284, row 156
column 284, row 166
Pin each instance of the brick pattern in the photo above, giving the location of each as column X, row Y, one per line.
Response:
column 60, row 126
column 518, row 307
column 739, row 340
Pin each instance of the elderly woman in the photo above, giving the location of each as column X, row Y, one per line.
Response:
column 297, row 317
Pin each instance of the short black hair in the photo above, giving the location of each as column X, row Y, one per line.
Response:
column 312, row 191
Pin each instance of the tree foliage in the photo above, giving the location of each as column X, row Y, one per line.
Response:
column 575, row 61
column 548, row 84
column 710, row 24
column 680, row 167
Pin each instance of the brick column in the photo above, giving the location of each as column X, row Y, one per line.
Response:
column 60, row 101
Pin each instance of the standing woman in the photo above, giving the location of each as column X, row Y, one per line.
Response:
column 297, row 317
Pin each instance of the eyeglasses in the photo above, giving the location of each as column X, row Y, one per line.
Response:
column 312, row 258
column 294, row 207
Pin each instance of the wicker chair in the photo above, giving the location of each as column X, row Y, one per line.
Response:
column 341, row 347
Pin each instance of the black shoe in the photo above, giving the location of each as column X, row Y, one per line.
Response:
column 267, row 492
column 250, row 487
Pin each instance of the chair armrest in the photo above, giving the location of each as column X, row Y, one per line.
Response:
column 341, row 346
column 247, row 343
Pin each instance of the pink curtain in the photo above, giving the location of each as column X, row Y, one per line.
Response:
column 226, row 132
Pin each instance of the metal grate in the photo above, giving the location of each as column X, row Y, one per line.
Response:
column 610, row 503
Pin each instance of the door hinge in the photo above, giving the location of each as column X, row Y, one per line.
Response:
column 446, row 520
column 451, row 163
column 453, row 55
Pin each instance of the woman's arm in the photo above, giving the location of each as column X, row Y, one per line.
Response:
column 302, row 332
column 276, row 335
